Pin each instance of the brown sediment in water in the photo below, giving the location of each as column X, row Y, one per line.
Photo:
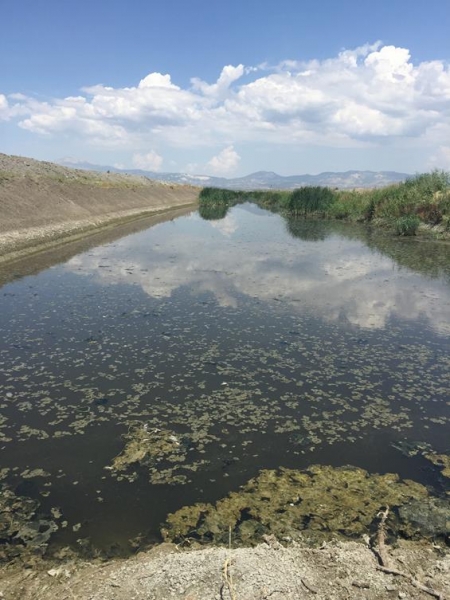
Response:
column 43, row 205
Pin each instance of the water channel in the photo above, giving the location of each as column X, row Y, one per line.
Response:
column 239, row 344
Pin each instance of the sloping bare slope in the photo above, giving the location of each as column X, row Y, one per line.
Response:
column 41, row 201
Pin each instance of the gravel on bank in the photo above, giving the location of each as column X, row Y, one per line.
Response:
column 335, row 571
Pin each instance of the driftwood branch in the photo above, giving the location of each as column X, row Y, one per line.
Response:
column 382, row 549
column 386, row 565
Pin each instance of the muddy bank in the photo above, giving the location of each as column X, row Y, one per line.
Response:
column 43, row 204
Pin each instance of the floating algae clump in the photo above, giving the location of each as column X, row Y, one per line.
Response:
column 441, row 460
column 284, row 502
column 152, row 449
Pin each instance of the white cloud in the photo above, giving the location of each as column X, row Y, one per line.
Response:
column 225, row 162
column 370, row 95
column 151, row 161
column 228, row 75
column 3, row 107
column 156, row 80
column 441, row 159
column 391, row 64
column 16, row 108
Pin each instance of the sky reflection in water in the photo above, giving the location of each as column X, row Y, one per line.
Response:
column 248, row 254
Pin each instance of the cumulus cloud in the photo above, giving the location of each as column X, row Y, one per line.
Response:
column 12, row 106
column 151, row 161
column 228, row 75
column 372, row 95
column 225, row 162
column 156, row 80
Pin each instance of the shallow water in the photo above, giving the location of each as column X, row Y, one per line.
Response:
column 254, row 343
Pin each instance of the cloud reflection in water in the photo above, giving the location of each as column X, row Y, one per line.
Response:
column 249, row 253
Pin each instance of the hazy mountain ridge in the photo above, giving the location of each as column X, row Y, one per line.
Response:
column 262, row 180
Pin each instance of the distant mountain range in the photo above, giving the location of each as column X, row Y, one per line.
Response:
column 262, row 180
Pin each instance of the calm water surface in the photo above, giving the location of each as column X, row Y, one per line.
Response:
column 254, row 343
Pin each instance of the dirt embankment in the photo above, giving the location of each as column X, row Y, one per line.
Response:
column 43, row 204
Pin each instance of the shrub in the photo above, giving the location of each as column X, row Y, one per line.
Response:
column 429, row 213
column 272, row 198
column 351, row 205
column 407, row 225
column 339, row 210
column 446, row 222
column 426, row 185
column 424, row 197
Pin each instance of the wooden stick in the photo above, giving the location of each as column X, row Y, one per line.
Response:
column 226, row 573
column 385, row 559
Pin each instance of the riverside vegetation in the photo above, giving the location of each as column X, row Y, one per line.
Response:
column 422, row 200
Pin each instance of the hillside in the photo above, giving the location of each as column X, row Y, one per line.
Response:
column 263, row 180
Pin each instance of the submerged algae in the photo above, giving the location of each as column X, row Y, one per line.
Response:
column 23, row 532
column 151, row 449
column 284, row 502
column 426, row 518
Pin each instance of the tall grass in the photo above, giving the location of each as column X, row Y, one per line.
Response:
column 423, row 199
column 310, row 200
column 407, row 225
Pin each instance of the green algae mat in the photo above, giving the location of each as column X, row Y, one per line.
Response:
column 238, row 371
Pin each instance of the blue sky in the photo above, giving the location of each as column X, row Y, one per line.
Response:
column 227, row 88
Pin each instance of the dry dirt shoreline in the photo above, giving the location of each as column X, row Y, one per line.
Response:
column 43, row 205
column 335, row 571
